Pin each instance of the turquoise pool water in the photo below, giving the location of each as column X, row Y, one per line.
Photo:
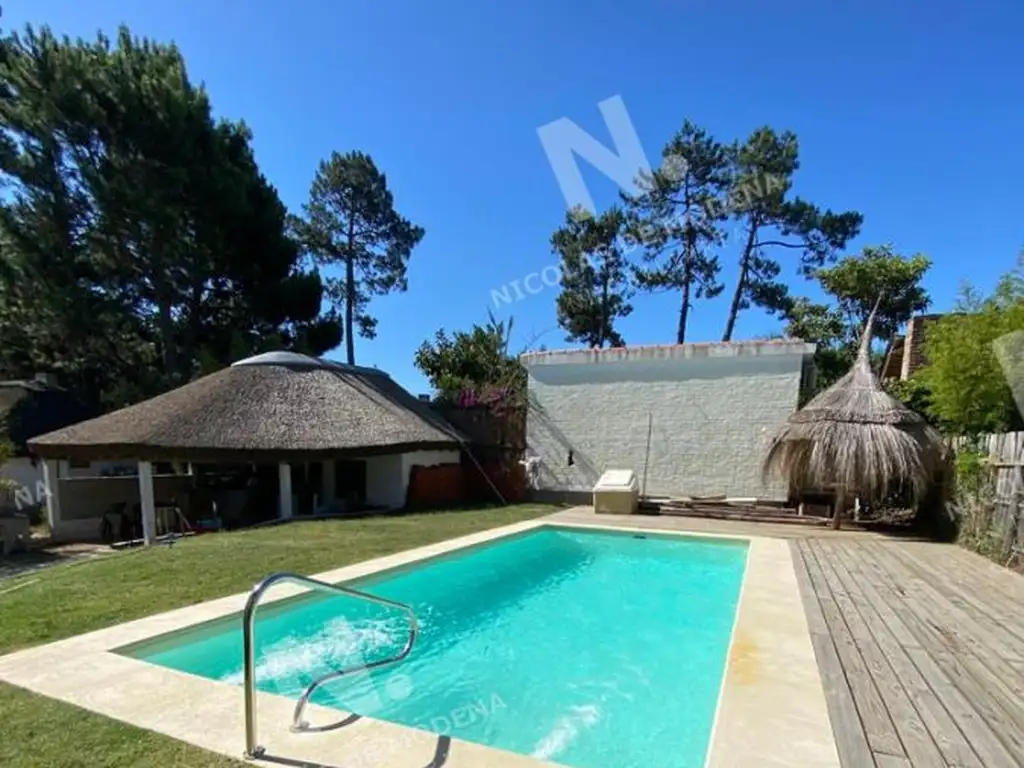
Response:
column 590, row 649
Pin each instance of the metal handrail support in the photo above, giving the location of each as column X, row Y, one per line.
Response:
column 252, row 748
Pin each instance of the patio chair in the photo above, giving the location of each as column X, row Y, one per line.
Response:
column 112, row 527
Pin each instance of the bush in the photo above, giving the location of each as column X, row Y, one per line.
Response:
column 971, row 355
column 913, row 393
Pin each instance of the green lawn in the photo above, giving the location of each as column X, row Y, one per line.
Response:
column 69, row 600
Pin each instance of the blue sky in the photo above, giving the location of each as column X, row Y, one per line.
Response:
column 910, row 112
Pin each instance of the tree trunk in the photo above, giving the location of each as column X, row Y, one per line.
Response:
column 734, row 307
column 350, row 296
column 741, row 283
column 166, row 325
column 684, row 311
column 350, row 293
column 603, row 332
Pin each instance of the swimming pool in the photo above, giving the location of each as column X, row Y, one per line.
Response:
column 586, row 648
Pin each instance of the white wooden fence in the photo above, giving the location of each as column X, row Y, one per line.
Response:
column 1005, row 461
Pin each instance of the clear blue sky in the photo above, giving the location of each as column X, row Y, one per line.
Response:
column 911, row 112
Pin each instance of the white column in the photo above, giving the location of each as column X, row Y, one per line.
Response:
column 284, row 504
column 330, row 493
column 148, row 505
column 51, row 492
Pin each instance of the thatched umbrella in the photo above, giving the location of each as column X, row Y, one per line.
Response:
column 856, row 438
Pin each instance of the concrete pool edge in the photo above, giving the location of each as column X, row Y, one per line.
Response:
column 771, row 709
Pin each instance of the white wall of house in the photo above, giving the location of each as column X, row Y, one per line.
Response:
column 385, row 481
column 713, row 409
column 22, row 470
column 83, row 500
column 387, row 477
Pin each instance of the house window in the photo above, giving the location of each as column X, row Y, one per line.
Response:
column 79, row 464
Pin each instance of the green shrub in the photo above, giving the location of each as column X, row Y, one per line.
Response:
column 971, row 354
column 914, row 393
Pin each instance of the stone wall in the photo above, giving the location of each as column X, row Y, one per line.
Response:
column 707, row 413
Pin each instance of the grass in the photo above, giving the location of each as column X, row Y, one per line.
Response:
column 68, row 600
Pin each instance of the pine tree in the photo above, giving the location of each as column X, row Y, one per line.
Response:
column 677, row 220
column 759, row 199
column 350, row 221
column 595, row 279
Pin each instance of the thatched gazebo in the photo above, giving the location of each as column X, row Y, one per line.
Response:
column 856, row 439
column 276, row 408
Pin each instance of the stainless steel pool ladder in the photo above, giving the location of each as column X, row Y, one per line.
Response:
column 252, row 748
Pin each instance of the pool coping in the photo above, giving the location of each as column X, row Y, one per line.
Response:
column 771, row 710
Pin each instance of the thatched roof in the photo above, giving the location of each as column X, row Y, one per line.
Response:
column 275, row 406
column 857, row 437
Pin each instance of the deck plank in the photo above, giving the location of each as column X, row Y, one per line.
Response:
column 955, row 636
column 917, row 743
column 982, row 692
column 1001, row 581
column 971, row 724
column 848, row 731
column 878, row 725
column 887, row 629
column 891, row 761
column 993, row 621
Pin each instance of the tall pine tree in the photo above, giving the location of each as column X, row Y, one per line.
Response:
column 139, row 243
column 350, row 222
column 771, row 219
column 677, row 220
column 595, row 277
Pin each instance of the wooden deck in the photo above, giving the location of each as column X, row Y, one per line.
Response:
column 921, row 651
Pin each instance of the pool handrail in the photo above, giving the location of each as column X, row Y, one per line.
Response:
column 252, row 748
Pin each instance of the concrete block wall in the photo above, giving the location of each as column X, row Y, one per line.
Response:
column 712, row 408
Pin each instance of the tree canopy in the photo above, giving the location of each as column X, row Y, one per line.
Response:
column 771, row 219
column 678, row 218
column 138, row 236
column 141, row 246
column 477, row 361
column 594, row 277
column 877, row 275
column 854, row 285
column 350, row 222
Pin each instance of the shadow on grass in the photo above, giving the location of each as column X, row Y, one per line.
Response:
column 29, row 561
